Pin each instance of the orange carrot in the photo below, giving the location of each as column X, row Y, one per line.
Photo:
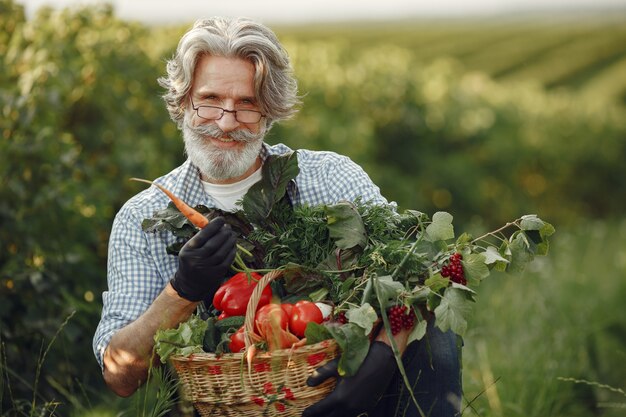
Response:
column 190, row 213
column 299, row 343
column 250, row 354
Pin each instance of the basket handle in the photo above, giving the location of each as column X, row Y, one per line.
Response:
column 253, row 303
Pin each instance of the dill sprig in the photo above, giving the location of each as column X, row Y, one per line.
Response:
column 298, row 235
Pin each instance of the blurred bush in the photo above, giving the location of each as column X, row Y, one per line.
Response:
column 81, row 113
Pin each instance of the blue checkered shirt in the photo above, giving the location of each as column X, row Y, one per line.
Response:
column 139, row 267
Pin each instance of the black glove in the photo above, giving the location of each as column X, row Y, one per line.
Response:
column 204, row 260
column 358, row 393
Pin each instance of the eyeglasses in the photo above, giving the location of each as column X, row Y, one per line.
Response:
column 216, row 113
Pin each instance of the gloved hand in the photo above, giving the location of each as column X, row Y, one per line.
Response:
column 204, row 260
column 358, row 393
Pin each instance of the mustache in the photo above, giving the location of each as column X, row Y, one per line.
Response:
column 216, row 132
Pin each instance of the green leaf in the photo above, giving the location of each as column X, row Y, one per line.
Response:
column 464, row 239
column 505, row 252
column 348, row 284
column 474, row 267
column 470, row 292
column 547, row 230
column 168, row 218
column 315, row 333
column 345, row 225
column 388, row 289
column 418, row 332
column 539, row 231
column 186, row 333
column 319, row 295
column 364, row 316
column 441, row 227
column 261, row 198
column 437, row 282
column 354, row 345
column 172, row 220
column 520, row 253
column 184, row 340
column 531, row 222
column 453, row 311
column 419, row 295
column 492, row 256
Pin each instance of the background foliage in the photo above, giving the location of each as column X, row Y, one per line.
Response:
column 486, row 120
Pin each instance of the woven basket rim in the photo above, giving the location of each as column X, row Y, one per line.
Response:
column 240, row 356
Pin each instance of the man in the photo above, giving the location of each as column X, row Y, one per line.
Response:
column 228, row 82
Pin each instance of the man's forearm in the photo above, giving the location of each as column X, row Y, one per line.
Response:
column 129, row 354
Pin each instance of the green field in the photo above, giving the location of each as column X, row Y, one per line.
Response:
column 485, row 119
column 579, row 53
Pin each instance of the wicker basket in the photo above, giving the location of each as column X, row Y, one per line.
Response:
column 275, row 385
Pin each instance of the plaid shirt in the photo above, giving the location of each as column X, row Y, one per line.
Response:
column 138, row 265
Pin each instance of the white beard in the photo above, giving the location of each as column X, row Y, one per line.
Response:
column 216, row 163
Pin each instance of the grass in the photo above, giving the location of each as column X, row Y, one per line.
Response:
column 550, row 343
column 154, row 399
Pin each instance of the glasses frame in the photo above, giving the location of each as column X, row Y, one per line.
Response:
column 234, row 112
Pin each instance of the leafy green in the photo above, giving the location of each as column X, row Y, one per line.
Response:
column 441, row 227
column 316, row 333
column 454, row 309
column 388, row 289
column 354, row 345
column 492, row 256
column 418, row 332
column 437, row 282
column 521, row 253
column 345, row 225
column 538, row 231
column 475, row 267
column 278, row 171
column 364, row 316
column 184, row 340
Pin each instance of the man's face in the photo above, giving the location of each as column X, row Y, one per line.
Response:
column 225, row 150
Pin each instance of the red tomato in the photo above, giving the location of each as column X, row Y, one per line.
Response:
column 303, row 313
column 287, row 308
column 237, row 341
column 222, row 315
column 270, row 315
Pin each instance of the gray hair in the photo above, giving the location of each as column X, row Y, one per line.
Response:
column 275, row 85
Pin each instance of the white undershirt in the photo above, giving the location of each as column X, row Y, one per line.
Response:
column 226, row 195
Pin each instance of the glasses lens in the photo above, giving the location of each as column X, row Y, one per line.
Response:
column 209, row 113
column 248, row 116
